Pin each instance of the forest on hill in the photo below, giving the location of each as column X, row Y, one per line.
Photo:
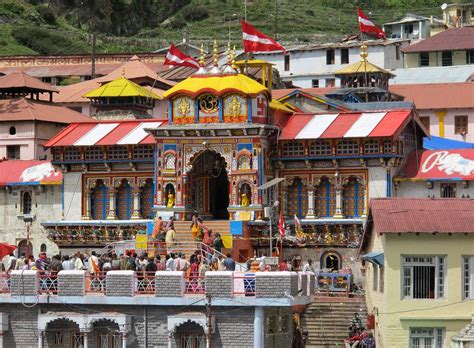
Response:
column 66, row 26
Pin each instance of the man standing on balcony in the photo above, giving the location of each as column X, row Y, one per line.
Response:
column 229, row 263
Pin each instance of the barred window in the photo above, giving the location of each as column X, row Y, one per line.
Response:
column 387, row 146
column 56, row 155
column 423, row 277
column 468, row 277
column 371, row 147
column 320, row 148
column 118, row 152
column 143, row 152
column 72, row 154
column 347, row 147
column 94, row 153
column 427, row 337
column 293, row 148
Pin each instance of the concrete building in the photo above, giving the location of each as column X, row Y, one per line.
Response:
column 458, row 15
column 120, row 309
column 419, row 270
column 315, row 65
column 413, row 27
column 453, row 46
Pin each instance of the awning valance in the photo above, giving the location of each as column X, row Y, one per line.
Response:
column 377, row 258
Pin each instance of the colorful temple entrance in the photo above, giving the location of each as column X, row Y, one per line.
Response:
column 208, row 189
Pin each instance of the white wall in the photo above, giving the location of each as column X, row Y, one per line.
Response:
column 377, row 182
column 72, row 196
column 420, row 189
column 449, row 123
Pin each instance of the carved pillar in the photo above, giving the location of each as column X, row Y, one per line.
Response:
column 124, row 340
column 310, row 214
column 136, row 203
column 284, row 198
column 363, row 187
column 85, row 336
column 88, row 213
column 40, row 338
column 112, row 208
column 338, row 188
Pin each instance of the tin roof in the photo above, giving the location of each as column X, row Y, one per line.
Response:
column 24, row 109
column 422, row 215
column 448, row 40
column 19, row 79
column 121, row 87
column 435, row 74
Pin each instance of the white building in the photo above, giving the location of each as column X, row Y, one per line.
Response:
column 413, row 27
column 314, row 65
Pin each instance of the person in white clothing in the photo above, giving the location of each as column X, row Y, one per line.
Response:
column 78, row 265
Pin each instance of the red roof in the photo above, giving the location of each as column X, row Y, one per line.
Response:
column 440, row 164
column 126, row 132
column 345, row 125
column 20, row 172
column 23, row 109
column 19, row 79
column 448, row 40
column 438, row 95
column 422, row 215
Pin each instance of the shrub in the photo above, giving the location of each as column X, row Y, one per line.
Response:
column 47, row 14
column 194, row 13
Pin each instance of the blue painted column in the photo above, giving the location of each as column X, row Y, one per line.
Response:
column 249, row 110
column 389, row 183
column 221, row 110
column 196, row 111
column 170, row 112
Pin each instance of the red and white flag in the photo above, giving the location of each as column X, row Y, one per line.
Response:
column 176, row 57
column 281, row 225
column 255, row 41
column 367, row 26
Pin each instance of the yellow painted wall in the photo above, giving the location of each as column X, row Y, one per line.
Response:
column 396, row 316
column 412, row 60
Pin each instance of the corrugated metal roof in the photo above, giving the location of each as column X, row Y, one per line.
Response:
column 448, row 40
column 19, row 79
column 438, row 74
column 422, row 215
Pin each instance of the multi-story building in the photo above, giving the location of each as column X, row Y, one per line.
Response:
column 453, row 46
column 458, row 15
column 419, row 270
column 413, row 27
column 315, row 65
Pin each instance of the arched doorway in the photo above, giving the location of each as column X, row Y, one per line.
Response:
column 331, row 260
column 25, row 248
column 63, row 333
column 208, row 188
column 107, row 335
column 190, row 335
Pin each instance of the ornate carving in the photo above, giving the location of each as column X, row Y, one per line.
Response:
column 193, row 151
column 235, row 108
column 183, row 107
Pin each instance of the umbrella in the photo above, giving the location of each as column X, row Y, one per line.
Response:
column 6, row 249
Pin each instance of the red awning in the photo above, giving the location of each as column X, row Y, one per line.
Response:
column 440, row 164
column 18, row 172
column 345, row 125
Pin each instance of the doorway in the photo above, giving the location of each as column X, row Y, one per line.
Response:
column 208, row 187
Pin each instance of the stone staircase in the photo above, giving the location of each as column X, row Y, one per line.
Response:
column 185, row 242
column 327, row 320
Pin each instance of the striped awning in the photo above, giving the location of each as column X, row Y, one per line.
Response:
column 130, row 132
column 345, row 125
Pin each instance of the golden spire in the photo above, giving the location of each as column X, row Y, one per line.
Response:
column 229, row 54
column 216, row 53
column 234, row 54
column 201, row 59
column 123, row 72
column 364, row 53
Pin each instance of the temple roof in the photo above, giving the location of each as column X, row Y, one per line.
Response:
column 217, row 85
column 362, row 67
column 19, row 79
column 121, row 87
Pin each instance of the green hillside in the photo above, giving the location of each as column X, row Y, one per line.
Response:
column 65, row 26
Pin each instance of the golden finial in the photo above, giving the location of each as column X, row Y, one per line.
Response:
column 229, row 54
column 234, row 54
column 123, row 72
column 364, row 52
column 201, row 59
column 216, row 53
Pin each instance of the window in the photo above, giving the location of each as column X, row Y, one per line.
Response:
column 94, row 153
column 408, row 29
column 330, row 56
column 325, row 198
column 56, row 155
column 13, row 151
column 371, row 147
column 12, row 131
column 426, row 338
column 347, row 147
column 387, row 146
column 143, row 152
column 353, row 194
column 460, row 125
column 72, row 154
column 447, row 58
column 297, row 199
column 26, row 203
column 287, row 62
column 315, row 83
column 293, row 148
column 381, row 278
column 43, row 248
column 375, row 277
column 344, row 56
column 448, row 190
column 118, row 152
column 468, row 277
column 470, row 57
column 425, row 120
column 330, row 82
column 124, row 201
column 424, row 58
column 423, row 277
column 397, row 52
column 320, row 148
column 58, row 339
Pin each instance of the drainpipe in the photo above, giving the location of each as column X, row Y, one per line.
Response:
column 258, row 340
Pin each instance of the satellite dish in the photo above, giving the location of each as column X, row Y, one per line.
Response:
column 444, row 6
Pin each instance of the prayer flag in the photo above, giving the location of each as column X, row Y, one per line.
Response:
column 255, row 41
column 176, row 57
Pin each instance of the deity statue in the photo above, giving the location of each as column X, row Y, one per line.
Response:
column 328, row 239
column 340, row 236
column 244, row 201
column 170, row 203
column 235, row 108
column 183, row 107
